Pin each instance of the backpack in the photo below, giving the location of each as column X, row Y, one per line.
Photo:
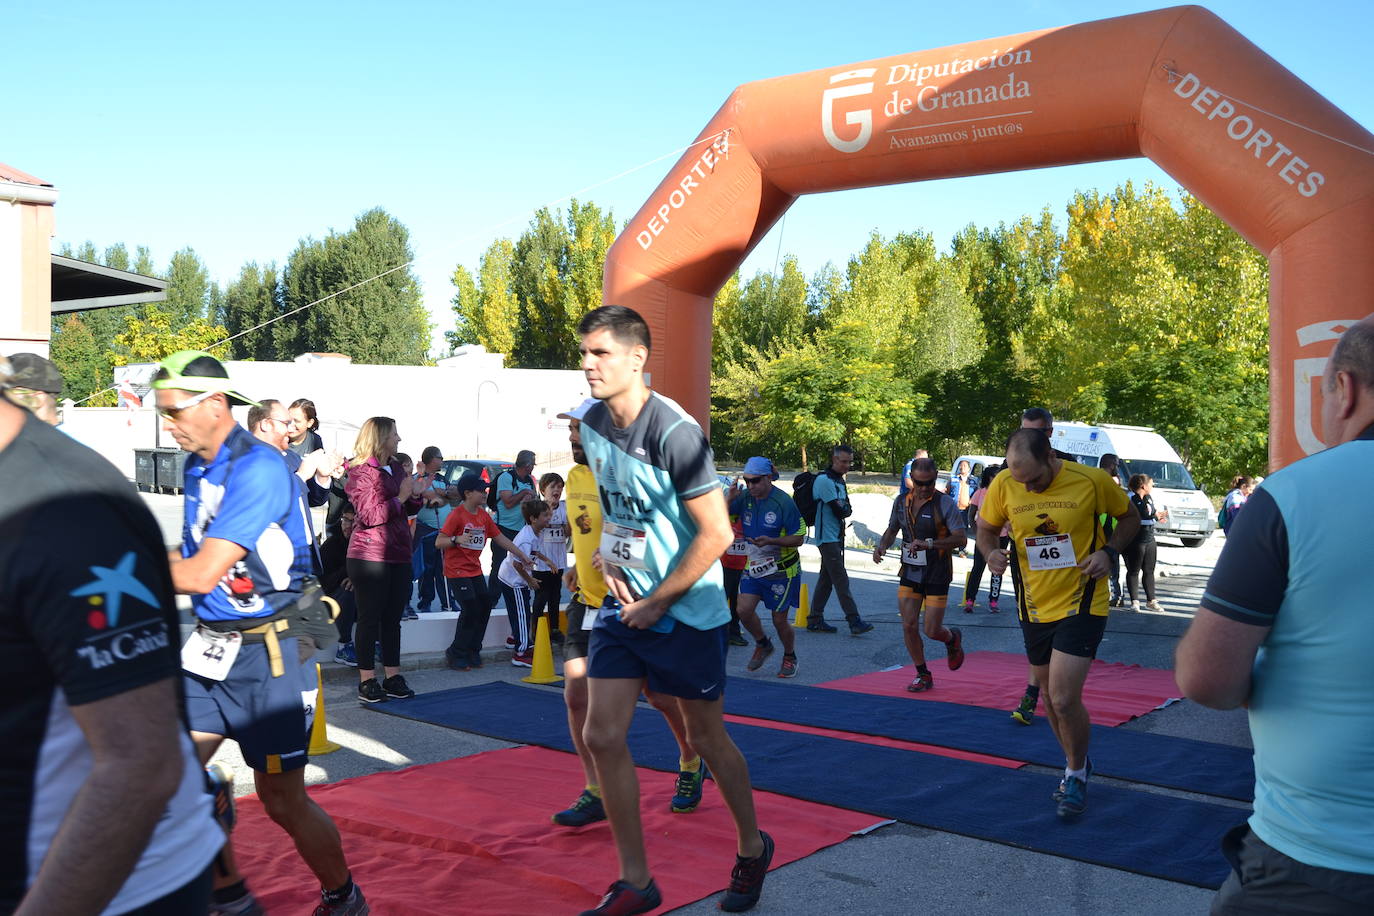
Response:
column 802, row 495
column 494, row 491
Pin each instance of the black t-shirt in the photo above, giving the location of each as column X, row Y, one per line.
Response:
column 86, row 612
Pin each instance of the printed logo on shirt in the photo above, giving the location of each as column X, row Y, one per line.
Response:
column 104, row 594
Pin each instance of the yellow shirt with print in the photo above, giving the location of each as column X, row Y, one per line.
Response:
column 1069, row 506
column 583, row 501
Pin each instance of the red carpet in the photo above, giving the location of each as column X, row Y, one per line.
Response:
column 880, row 741
column 1115, row 693
column 472, row 835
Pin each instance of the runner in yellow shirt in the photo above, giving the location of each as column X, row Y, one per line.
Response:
column 1058, row 555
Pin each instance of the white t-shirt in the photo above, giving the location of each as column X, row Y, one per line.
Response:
column 553, row 541
column 527, row 541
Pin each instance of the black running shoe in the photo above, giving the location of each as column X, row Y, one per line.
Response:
column 624, row 899
column 369, row 691
column 859, row 627
column 587, row 809
column 820, row 626
column 396, row 688
column 746, row 881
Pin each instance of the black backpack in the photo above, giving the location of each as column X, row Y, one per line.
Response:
column 803, row 496
column 494, row 491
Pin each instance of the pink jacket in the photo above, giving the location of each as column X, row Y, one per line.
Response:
column 383, row 529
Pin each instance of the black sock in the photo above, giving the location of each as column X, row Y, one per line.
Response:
column 1033, row 691
column 340, row 894
column 231, row 893
column 922, row 669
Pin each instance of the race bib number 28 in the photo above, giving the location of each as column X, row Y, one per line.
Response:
column 1052, row 551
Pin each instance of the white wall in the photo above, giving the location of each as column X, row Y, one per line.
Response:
column 467, row 412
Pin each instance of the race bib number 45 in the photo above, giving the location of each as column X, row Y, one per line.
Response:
column 623, row 546
column 1051, row 551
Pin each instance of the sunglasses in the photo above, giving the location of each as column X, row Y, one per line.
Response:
column 753, row 480
column 176, row 410
column 929, row 482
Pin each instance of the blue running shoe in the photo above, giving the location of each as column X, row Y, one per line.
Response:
column 687, row 790
column 1088, row 772
column 587, row 809
column 1074, row 797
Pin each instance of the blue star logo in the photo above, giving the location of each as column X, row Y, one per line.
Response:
column 114, row 584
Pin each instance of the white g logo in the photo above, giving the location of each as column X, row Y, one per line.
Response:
column 862, row 119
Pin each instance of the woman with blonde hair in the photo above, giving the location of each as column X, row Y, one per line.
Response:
column 379, row 554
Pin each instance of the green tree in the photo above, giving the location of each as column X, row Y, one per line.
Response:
column 158, row 333
column 250, row 301
column 79, row 357
column 188, row 287
column 358, row 295
column 486, row 310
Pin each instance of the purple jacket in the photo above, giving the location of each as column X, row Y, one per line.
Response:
column 383, row 529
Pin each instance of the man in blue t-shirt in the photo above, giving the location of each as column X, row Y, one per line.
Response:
column 245, row 560
column 832, row 508
column 664, row 527
column 773, row 530
column 1285, row 628
column 513, row 487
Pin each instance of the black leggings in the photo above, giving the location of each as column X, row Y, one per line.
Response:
column 1140, row 558
column 348, row 613
column 382, row 590
column 549, row 597
column 732, row 577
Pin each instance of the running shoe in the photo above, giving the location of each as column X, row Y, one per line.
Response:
column 1025, row 713
column 687, row 790
column 355, row 905
column 1154, row 605
column 954, row 649
column 922, row 683
column 458, row 661
column 475, row 660
column 820, row 626
column 586, row 809
column 396, row 688
column 789, row 666
column 221, row 781
column 409, row 613
column 859, row 627
column 1074, row 797
column 344, row 655
column 1058, row 793
column 522, row 660
column 968, row 606
column 247, row 905
column 992, row 605
column 369, row 691
column 624, row 899
column 510, row 642
column 737, row 638
column 761, row 651
column 746, row 880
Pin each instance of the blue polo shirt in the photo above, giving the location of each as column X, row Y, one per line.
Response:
column 249, row 496
column 509, row 517
column 827, row 488
column 1304, row 571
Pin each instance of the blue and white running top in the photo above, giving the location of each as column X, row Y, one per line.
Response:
column 247, row 495
column 644, row 474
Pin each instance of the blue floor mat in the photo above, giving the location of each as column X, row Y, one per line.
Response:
column 1158, row 760
column 1143, row 832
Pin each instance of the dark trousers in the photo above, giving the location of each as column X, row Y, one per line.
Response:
column 191, row 897
column 498, row 555
column 432, row 581
column 382, row 590
column 470, row 594
column 732, row 577
column 348, row 613
column 1140, row 563
column 833, row 575
column 975, row 576
column 549, row 596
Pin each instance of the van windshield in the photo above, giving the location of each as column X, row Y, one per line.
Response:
column 1169, row 475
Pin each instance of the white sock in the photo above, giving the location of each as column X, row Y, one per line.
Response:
column 1081, row 774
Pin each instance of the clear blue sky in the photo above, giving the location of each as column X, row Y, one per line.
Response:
column 239, row 129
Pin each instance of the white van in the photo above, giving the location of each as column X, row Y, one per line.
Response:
column 1184, row 510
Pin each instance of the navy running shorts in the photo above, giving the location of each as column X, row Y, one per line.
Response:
column 683, row 662
column 778, row 594
column 264, row 714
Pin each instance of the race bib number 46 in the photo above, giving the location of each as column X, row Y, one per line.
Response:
column 623, row 546
column 1051, row 551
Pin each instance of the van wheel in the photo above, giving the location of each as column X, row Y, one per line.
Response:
column 1193, row 542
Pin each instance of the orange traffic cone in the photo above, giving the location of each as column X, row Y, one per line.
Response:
column 542, row 672
column 319, row 738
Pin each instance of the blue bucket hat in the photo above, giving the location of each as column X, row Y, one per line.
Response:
column 760, row 467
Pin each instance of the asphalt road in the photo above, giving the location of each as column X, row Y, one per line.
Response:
column 896, row 869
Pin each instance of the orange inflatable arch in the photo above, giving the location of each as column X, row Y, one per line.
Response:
column 1283, row 166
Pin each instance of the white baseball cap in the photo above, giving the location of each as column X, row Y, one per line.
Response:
column 580, row 411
